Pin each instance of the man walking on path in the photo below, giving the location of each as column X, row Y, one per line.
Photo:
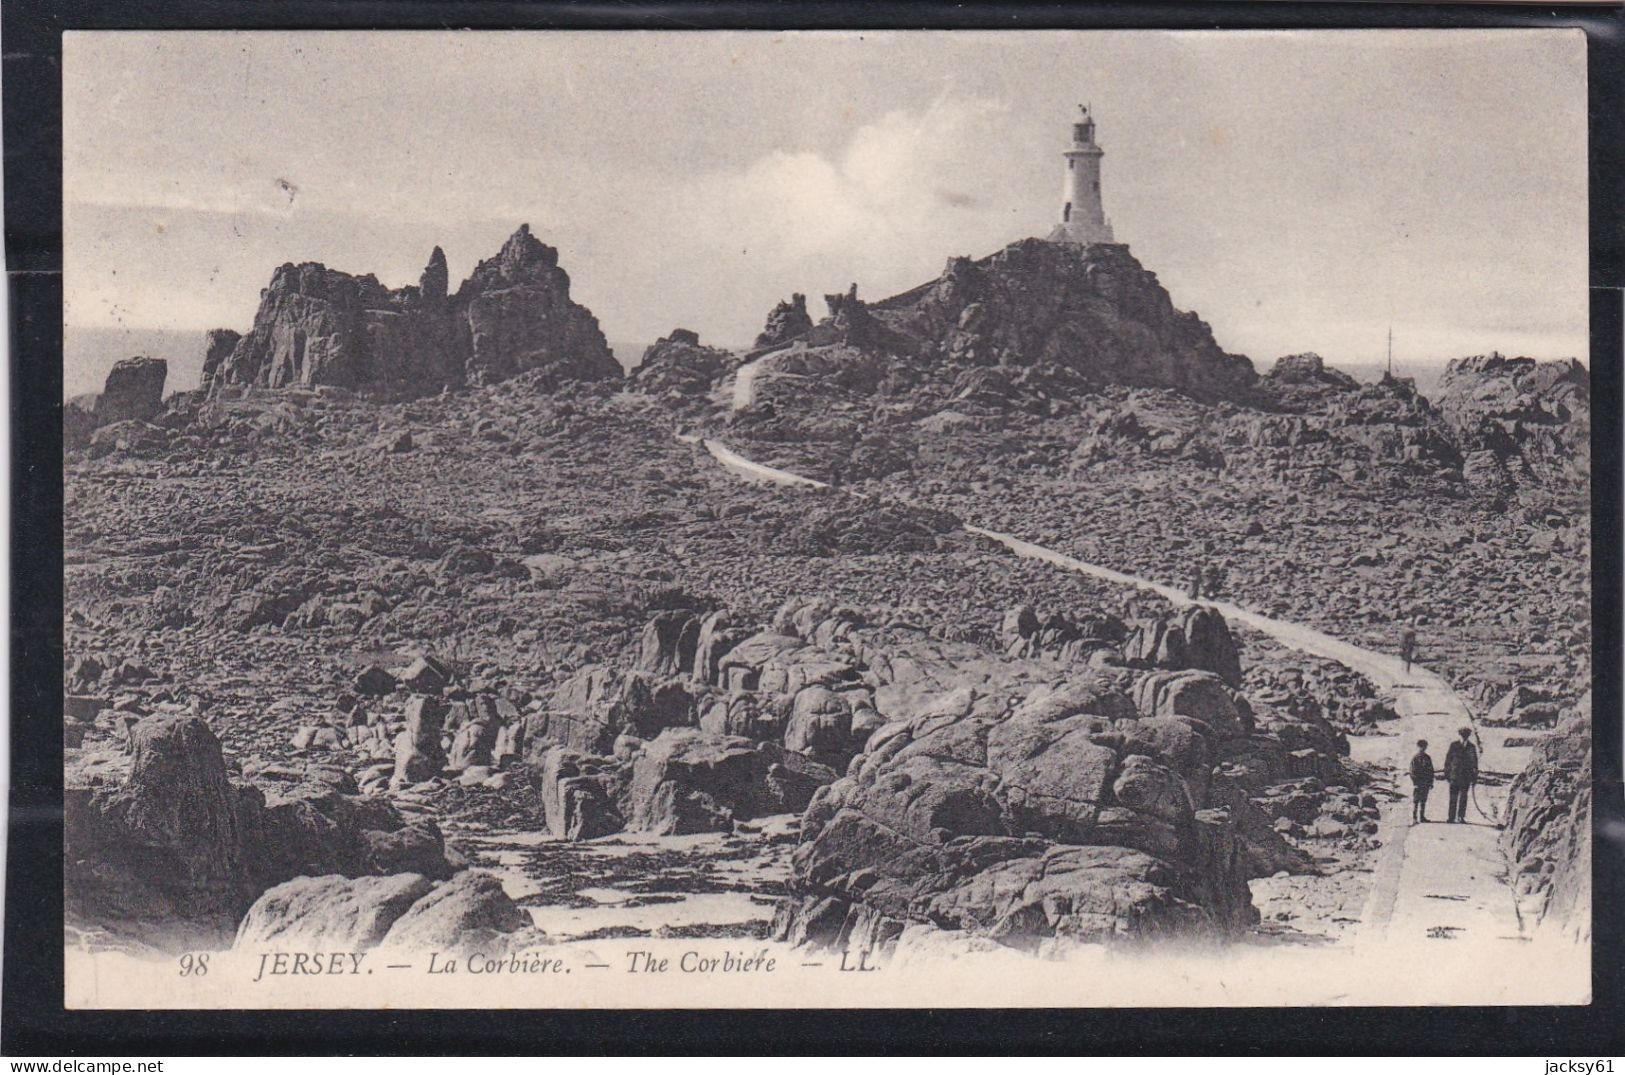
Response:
column 1407, row 649
column 1461, row 771
column 1421, row 781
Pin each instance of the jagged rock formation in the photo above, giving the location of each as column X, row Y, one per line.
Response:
column 678, row 365
column 514, row 314
column 786, row 322
column 167, row 842
column 1051, row 318
column 1547, row 833
column 1518, row 421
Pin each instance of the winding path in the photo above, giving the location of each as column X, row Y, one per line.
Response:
column 1444, row 882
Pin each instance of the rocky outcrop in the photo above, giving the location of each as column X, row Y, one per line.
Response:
column 1547, row 829
column 1090, row 313
column 679, row 365
column 311, row 328
column 785, row 322
column 514, row 315
column 177, row 846
column 1054, row 321
column 217, row 347
column 1315, row 419
column 1198, row 638
column 997, row 800
column 131, row 397
column 685, row 780
column 134, row 391
column 714, row 726
column 1023, row 633
column 1308, row 369
column 1518, row 421
column 1063, row 818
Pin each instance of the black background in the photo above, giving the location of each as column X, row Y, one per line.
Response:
column 34, row 1022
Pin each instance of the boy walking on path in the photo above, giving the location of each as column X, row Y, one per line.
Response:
column 1421, row 781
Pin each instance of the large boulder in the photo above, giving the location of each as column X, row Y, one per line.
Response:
column 118, row 417
column 689, row 781
column 468, row 914
column 174, row 840
column 580, row 793
column 1197, row 638
column 134, row 391
column 593, row 707
column 1525, row 707
column 1201, row 696
column 329, row 913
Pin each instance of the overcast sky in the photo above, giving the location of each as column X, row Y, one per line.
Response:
column 1301, row 191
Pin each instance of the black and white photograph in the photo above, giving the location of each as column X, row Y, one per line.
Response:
column 826, row 519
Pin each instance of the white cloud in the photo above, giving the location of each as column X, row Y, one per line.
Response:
column 908, row 179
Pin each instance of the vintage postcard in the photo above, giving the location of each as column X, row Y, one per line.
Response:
column 747, row 519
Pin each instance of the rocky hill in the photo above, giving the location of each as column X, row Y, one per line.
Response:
column 1035, row 320
column 319, row 326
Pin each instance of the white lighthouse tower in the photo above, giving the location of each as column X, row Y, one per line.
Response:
column 1083, row 220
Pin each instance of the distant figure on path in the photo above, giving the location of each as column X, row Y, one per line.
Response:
column 1407, row 649
column 1196, row 582
column 1461, row 771
column 1422, row 778
column 1215, row 580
